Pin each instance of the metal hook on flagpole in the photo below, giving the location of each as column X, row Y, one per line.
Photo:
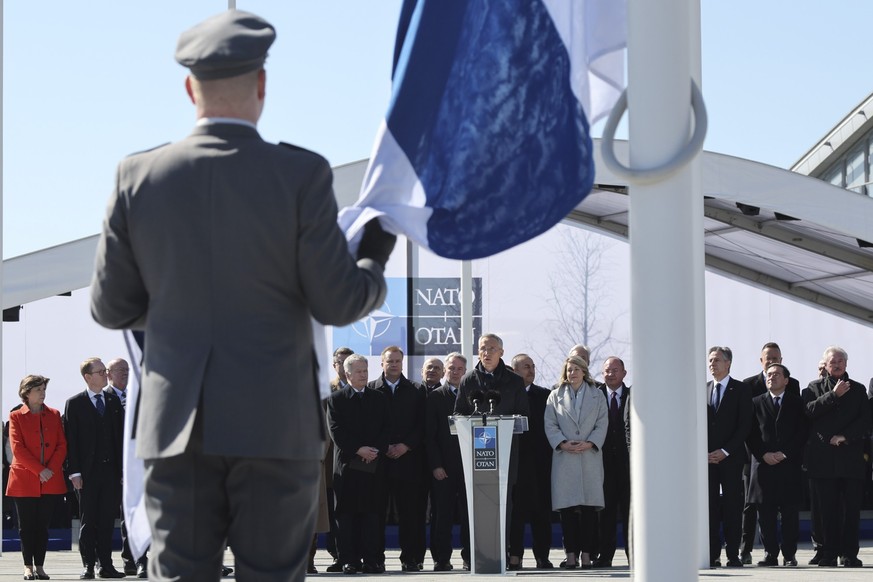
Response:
column 685, row 155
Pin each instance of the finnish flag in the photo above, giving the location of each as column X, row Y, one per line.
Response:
column 486, row 141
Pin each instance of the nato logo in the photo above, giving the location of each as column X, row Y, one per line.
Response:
column 485, row 448
column 384, row 327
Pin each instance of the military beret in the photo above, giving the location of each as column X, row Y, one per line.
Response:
column 225, row 45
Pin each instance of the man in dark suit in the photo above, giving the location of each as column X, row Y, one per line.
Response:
column 770, row 354
column 729, row 419
column 448, row 493
column 616, row 464
column 337, row 383
column 532, row 496
column 405, row 487
column 359, row 427
column 776, row 442
column 839, row 424
column 223, row 248
column 94, row 423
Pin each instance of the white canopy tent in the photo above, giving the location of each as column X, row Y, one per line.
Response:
column 793, row 235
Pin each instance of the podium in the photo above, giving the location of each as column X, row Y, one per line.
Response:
column 486, row 445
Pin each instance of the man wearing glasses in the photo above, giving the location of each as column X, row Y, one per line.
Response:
column 93, row 422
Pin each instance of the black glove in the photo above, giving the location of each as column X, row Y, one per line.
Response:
column 376, row 244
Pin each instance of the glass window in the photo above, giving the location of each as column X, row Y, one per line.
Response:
column 835, row 174
column 855, row 175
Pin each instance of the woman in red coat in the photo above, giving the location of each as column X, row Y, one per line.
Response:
column 35, row 477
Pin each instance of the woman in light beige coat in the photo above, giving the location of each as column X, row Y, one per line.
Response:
column 576, row 421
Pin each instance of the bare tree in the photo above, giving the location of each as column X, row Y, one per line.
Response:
column 581, row 302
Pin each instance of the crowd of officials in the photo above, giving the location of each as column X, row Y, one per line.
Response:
column 771, row 449
column 76, row 457
column 391, row 456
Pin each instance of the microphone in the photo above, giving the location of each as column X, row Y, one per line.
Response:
column 493, row 397
column 476, row 397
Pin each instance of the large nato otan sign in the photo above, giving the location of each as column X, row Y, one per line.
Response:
column 484, row 448
column 422, row 316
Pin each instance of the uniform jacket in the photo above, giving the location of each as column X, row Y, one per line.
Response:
column 577, row 479
column 772, row 432
column 830, row 415
column 38, row 443
column 222, row 247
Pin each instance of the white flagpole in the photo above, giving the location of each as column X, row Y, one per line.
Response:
column 666, row 248
column 467, row 313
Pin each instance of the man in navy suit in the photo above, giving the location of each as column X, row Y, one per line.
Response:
column 93, row 423
column 729, row 414
column 616, row 464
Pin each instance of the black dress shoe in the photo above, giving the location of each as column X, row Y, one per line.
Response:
column 813, row 561
column 827, row 563
column 442, row 566
column 372, row 569
column 42, row 576
column 311, row 569
column 351, row 569
column 746, row 557
column 565, row 566
column 513, row 567
column 715, row 563
column 734, row 563
column 852, row 563
column 130, row 568
column 769, row 562
column 226, row 571
column 334, row 568
column 109, row 572
column 602, row 563
column 789, row 561
column 87, row 573
column 142, row 570
column 465, row 566
column 587, row 566
column 545, row 565
column 410, row 567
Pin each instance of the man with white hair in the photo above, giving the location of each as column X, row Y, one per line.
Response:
column 839, row 417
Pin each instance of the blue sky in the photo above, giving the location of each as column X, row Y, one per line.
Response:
column 87, row 83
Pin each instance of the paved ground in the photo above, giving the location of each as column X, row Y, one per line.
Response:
column 66, row 565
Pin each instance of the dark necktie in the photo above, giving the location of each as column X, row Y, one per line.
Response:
column 776, row 403
column 717, row 395
column 613, row 407
column 101, row 408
